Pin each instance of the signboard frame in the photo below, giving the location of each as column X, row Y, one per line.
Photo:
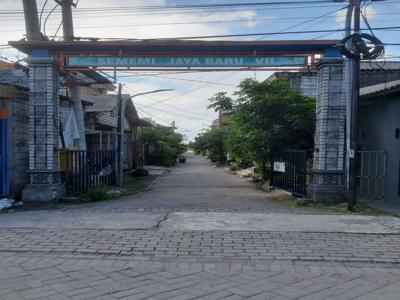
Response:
column 221, row 62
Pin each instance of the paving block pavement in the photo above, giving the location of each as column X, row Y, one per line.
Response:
column 68, row 276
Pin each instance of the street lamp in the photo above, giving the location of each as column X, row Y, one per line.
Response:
column 120, row 127
column 151, row 92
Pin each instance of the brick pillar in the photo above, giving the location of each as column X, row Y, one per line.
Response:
column 329, row 176
column 44, row 174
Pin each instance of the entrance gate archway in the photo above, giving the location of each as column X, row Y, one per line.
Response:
column 47, row 58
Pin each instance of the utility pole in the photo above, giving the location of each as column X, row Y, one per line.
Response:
column 31, row 20
column 120, row 131
column 68, row 24
column 352, row 193
column 348, row 82
column 74, row 87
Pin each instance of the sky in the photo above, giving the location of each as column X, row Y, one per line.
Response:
column 186, row 104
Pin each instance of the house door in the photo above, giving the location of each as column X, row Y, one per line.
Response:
column 3, row 158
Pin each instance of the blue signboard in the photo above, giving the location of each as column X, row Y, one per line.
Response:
column 186, row 61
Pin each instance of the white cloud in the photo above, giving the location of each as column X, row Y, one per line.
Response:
column 192, row 114
column 191, row 105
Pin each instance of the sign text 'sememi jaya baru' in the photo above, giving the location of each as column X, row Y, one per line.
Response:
column 188, row 61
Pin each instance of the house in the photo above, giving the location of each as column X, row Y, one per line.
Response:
column 215, row 124
column 14, row 122
column 304, row 81
column 101, row 124
column 223, row 120
column 379, row 126
column 14, row 114
column 224, row 117
column 379, row 141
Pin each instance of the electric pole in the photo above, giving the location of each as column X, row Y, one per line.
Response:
column 120, row 131
column 31, row 20
column 68, row 25
column 352, row 193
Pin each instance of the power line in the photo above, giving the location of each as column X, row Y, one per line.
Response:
column 255, row 20
column 194, row 89
column 195, row 6
column 162, row 11
column 235, row 35
column 41, row 13
column 45, row 21
column 155, row 102
column 182, row 79
column 152, row 116
column 308, row 21
column 172, row 113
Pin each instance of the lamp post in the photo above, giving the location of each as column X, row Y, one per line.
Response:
column 120, row 127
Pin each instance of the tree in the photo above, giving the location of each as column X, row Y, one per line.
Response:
column 167, row 144
column 213, row 142
column 270, row 116
column 220, row 102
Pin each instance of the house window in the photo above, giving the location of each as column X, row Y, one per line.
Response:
column 397, row 133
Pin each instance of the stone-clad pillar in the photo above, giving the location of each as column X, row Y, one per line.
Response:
column 329, row 154
column 44, row 174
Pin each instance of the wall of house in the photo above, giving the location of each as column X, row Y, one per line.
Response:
column 18, row 128
column 305, row 83
column 379, row 119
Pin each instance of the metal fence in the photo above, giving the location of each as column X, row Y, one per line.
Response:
column 84, row 170
column 289, row 171
column 372, row 166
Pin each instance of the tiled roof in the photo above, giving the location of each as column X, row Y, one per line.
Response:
column 388, row 65
column 381, row 88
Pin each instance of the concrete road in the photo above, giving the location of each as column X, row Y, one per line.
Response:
column 198, row 185
column 198, row 233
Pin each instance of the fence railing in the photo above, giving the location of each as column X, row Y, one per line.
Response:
column 289, row 171
column 84, row 170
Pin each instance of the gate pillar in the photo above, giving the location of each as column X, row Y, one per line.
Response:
column 328, row 165
column 44, row 174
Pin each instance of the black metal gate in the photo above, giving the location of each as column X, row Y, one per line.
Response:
column 84, row 170
column 289, row 171
column 371, row 176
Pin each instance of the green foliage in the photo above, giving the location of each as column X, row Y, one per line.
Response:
column 168, row 144
column 220, row 101
column 213, row 143
column 269, row 116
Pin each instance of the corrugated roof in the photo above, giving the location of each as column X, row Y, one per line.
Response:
column 14, row 77
column 105, row 118
column 102, row 103
column 106, row 104
column 4, row 64
column 381, row 88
